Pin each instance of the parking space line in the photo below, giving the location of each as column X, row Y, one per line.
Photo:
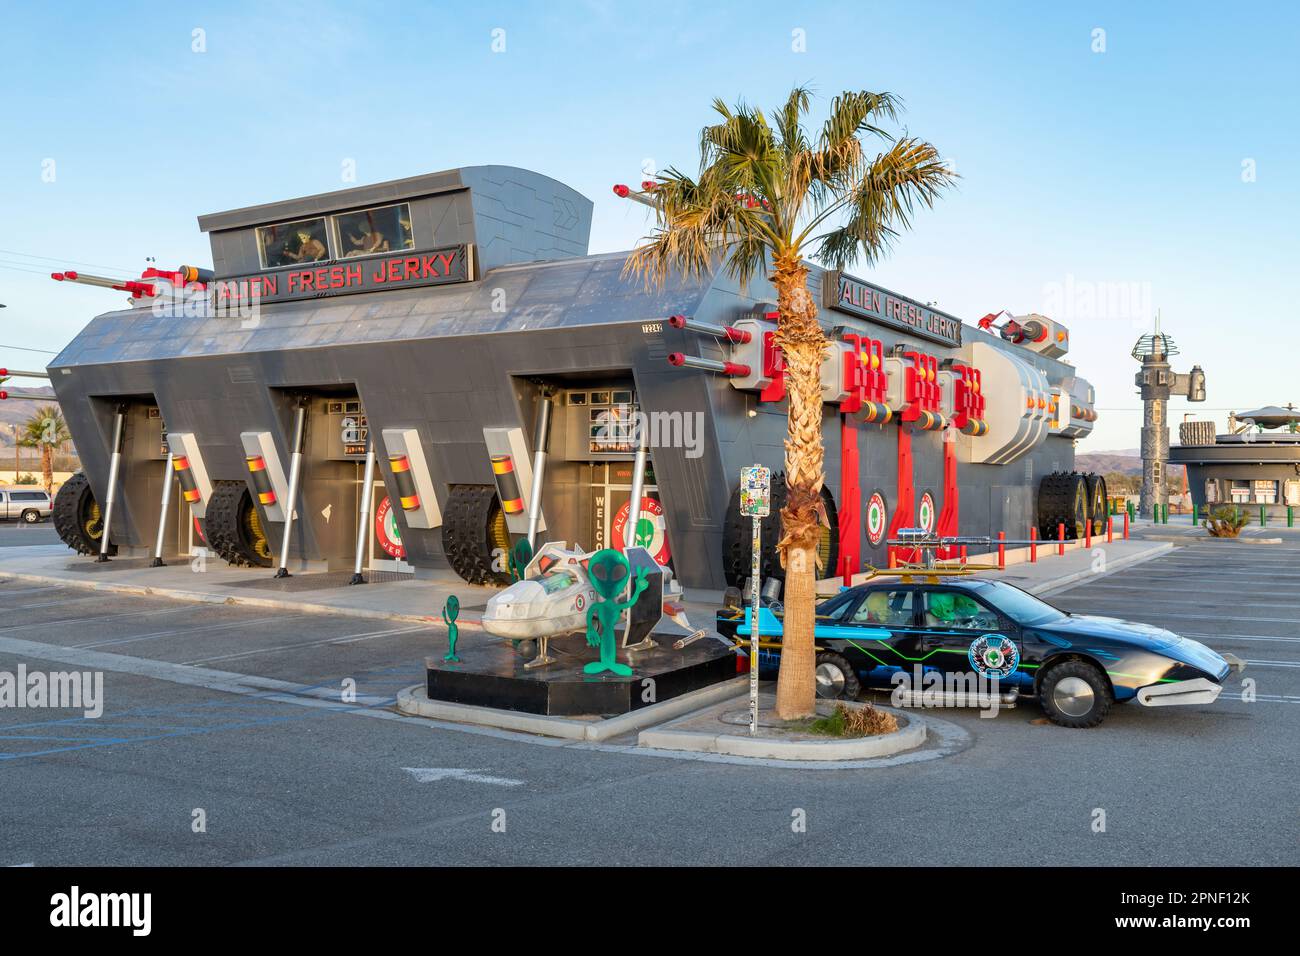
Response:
column 347, row 639
column 157, row 612
column 192, row 630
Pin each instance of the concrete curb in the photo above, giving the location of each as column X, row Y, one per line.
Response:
column 1193, row 536
column 414, row 702
column 775, row 748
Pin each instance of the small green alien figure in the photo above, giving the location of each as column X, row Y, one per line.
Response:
column 608, row 571
column 449, row 614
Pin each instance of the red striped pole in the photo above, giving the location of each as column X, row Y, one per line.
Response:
column 1002, row 550
column 1126, row 524
column 1110, row 528
column 1087, row 535
column 963, row 554
column 1060, row 536
column 1033, row 544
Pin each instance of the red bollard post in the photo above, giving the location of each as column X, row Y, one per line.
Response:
column 1060, row 536
column 1033, row 544
column 893, row 559
column 1087, row 534
column 1002, row 551
column 963, row 554
column 1110, row 528
column 1125, row 525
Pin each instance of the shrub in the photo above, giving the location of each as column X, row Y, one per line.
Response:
column 864, row 721
column 1226, row 522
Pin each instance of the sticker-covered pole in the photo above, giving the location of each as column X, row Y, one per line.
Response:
column 295, row 473
column 114, row 467
column 363, row 515
column 755, row 501
column 756, row 545
column 157, row 561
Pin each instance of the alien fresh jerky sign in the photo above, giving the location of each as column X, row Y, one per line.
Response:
column 651, row 531
column 344, row 276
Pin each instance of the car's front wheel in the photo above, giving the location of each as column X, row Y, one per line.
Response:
column 836, row 677
column 1075, row 694
column 31, row 517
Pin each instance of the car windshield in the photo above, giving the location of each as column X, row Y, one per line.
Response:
column 1020, row 606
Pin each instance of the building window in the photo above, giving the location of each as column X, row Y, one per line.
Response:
column 1265, row 492
column 293, row 243
column 1157, row 472
column 370, row 232
column 1240, row 491
column 1211, row 491
column 1293, row 491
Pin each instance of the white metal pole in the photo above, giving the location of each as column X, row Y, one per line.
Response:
column 541, row 445
column 162, row 513
column 295, row 471
column 363, row 519
column 111, row 496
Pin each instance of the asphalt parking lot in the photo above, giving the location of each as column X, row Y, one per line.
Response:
column 238, row 717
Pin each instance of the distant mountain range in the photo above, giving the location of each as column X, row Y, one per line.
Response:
column 16, row 411
column 1127, row 461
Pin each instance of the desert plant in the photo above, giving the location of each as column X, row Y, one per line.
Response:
column 845, row 721
column 1225, row 522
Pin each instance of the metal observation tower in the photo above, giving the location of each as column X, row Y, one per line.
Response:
column 1156, row 382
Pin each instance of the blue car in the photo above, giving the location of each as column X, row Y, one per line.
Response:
column 1077, row 665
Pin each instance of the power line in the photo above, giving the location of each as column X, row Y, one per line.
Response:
column 21, row 348
column 75, row 262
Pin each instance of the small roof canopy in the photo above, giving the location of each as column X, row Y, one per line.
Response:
column 1270, row 416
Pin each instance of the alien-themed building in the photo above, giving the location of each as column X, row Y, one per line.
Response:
column 454, row 326
column 1253, row 466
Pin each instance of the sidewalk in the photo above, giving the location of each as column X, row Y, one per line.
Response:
column 421, row 601
column 1052, row 570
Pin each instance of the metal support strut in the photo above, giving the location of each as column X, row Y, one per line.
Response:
column 111, row 496
column 295, row 473
column 363, row 516
column 157, row 561
column 541, row 446
column 629, row 533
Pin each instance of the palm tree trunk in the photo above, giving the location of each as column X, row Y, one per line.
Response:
column 804, row 344
column 47, row 468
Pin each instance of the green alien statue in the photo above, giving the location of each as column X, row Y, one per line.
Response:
column 449, row 614
column 608, row 570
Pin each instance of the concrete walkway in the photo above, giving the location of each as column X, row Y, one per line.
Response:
column 214, row 582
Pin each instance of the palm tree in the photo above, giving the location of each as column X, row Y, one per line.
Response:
column 767, row 195
column 45, row 430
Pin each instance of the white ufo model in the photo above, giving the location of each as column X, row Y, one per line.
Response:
column 552, row 599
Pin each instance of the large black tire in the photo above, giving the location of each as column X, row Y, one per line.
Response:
column 474, row 534
column 76, row 517
column 836, row 678
column 1062, row 499
column 233, row 526
column 1058, row 694
column 737, row 533
column 1098, row 503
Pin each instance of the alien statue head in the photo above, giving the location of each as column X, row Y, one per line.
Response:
column 608, row 572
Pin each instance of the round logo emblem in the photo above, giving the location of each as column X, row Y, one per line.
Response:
column 925, row 512
column 876, row 518
column 387, row 533
column 994, row 656
column 651, row 532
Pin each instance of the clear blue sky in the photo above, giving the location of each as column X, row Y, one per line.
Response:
column 1115, row 167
